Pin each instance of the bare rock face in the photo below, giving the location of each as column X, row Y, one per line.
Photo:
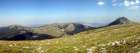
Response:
column 121, row 20
column 75, row 28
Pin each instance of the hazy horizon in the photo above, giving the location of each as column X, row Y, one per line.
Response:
column 35, row 12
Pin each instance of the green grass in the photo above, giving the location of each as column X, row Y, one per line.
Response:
column 97, row 41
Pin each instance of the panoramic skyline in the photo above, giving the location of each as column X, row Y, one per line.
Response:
column 34, row 12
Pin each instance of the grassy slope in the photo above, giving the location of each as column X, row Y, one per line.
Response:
column 114, row 39
column 51, row 30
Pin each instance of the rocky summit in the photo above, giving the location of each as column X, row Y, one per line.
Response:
column 121, row 20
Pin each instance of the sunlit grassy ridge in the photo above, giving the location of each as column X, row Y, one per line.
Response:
column 113, row 39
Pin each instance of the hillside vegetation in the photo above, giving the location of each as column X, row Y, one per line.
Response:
column 124, row 38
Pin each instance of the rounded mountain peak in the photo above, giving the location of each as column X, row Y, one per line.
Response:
column 121, row 20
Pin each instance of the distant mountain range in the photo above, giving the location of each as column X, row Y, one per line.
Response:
column 17, row 32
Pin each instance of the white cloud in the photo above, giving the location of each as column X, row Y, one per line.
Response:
column 137, row 1
column 132, row 3
column 126, row 3
column 114, row 3
column 129, row 4
column 100, row 3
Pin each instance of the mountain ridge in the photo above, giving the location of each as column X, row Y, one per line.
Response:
column 52, row 30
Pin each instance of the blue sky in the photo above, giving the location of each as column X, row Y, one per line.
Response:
column 34, row 12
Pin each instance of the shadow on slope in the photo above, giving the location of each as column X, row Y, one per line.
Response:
column 28, row 36
column 16, row 32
